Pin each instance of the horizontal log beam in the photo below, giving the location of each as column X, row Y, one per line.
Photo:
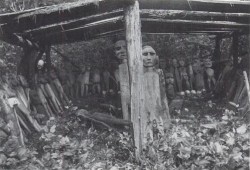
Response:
column 62, row 12
column 195, row 15
column 197, row 5
column 84, row 33
column 223, row 1
column 224, row 24
column 66, row 25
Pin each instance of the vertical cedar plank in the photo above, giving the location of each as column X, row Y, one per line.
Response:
column 134, row 45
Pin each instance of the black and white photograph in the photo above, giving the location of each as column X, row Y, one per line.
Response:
column 124, row 84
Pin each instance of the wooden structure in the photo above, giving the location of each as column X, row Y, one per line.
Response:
column 84, row 20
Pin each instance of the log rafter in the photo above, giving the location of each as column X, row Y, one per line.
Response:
column 63, row 23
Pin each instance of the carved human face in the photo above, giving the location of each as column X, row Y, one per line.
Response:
column 196, row 65
column 149, row 56
column 175, row 62
column 162, row 63
column 121, row 50
column 169, row 78
column 185, row 76
column 207, row 63
column 182, row 62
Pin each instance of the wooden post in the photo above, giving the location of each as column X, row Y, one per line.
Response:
column 135, row 62
column 235, row 48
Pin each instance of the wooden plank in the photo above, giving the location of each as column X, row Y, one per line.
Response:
column 196, row 5
column 195, row 15
column 224, row 1
column 247, row 85
column 223, row 24
column 134, row 45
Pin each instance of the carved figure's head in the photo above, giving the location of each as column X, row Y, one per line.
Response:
column 150, row 59
column 121, row 50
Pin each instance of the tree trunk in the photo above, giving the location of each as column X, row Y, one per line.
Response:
column 134, row 49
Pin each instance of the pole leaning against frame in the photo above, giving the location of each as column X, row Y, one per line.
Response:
column 135, row 62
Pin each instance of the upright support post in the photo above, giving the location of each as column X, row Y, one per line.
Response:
column 135, row 62
column 235, row 48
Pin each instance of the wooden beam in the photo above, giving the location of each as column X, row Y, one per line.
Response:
column 62, row 12
column 195, row 15
column 224, row 24
column 86, row 32
column 232, row 2
column 134, row 45
column 197, row 5
column 66, row 25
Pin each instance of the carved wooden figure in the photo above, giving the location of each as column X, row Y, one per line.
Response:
column 177, row 78
column 184, row 76
column 198, row 75
column 170, row 90
column 106, row 77
column 209, row 75
column 121, row 54
column 156, row 105
column 63, row 78
column 70, row 81
column 191, row 74
column 96, row 80
column 86, row 82
column 79, row 82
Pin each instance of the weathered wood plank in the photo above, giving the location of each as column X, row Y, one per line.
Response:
column 197, row 5
column 134, row 45
column 60, row 13
column 195, row 15
column 247, row 85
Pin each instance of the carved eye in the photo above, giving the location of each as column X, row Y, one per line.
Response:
column 118, row 48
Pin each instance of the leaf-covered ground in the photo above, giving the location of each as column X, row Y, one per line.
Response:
column 205, row 134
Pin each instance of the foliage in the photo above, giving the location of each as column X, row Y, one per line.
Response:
column 208, row 143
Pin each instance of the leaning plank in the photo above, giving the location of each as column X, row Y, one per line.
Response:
column 134, row 49
column 247, row 85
